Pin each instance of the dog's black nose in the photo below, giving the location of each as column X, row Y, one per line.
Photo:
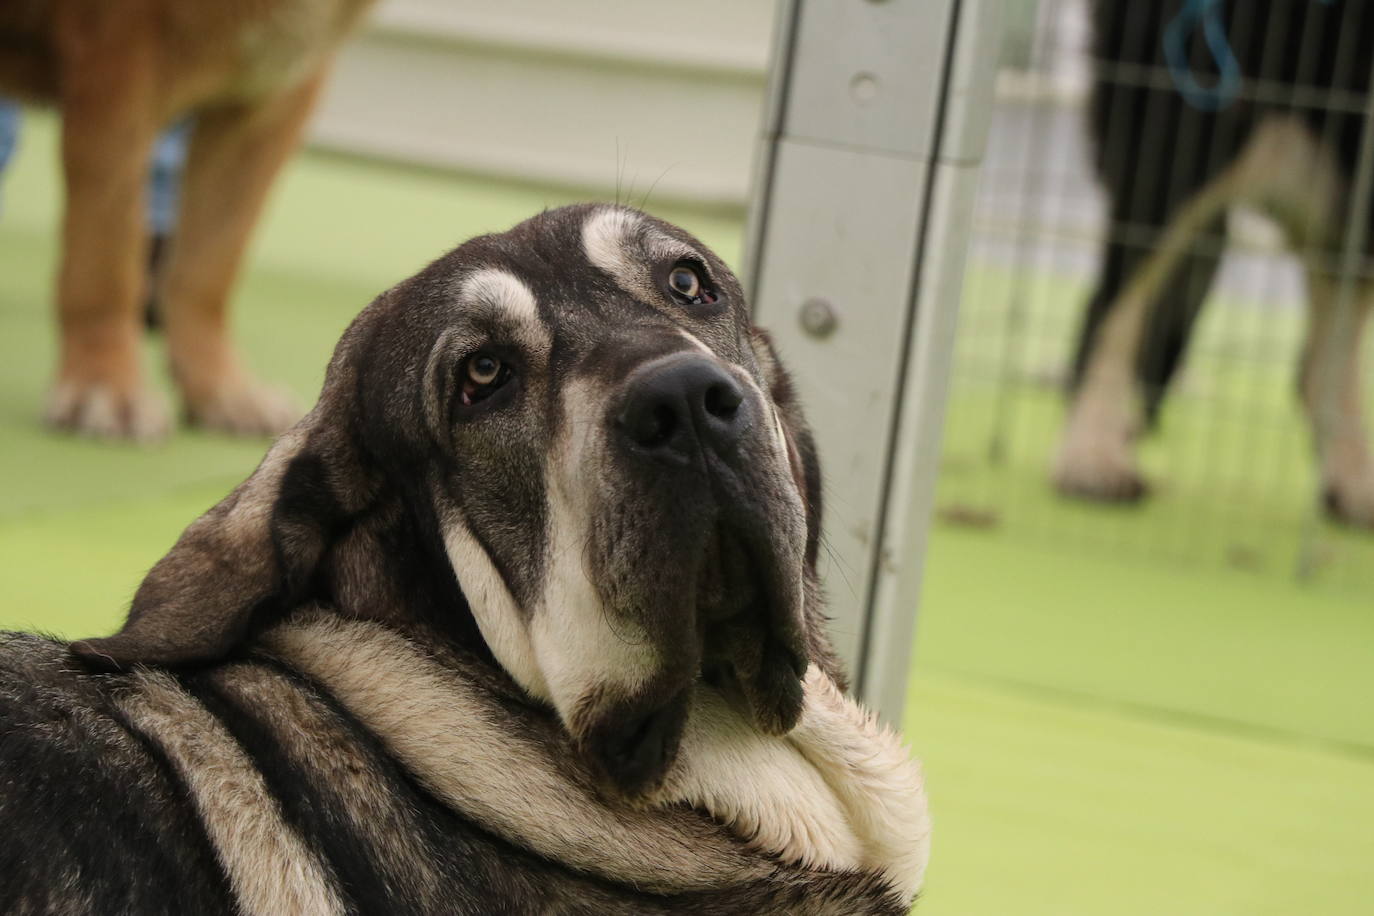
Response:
column 679, row 404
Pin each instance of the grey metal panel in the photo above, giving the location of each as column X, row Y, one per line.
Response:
column 968, row 93
column 842, row 230
column 916, row 449
column 770, row 129
column 859, row 218
column 891, row 619
column 873, row 73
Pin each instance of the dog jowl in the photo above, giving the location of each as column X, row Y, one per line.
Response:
column 564, row 445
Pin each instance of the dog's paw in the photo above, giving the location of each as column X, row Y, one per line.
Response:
column 1095, row 460
column 242, row 406
column 1099, row 472
column 102, row 411
column 1351, row 500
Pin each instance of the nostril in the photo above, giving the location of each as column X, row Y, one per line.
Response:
column 658, row 426
column 722, row 400
column 649, row 424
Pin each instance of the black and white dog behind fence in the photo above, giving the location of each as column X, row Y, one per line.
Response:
column 1280, row 130
column 521, row 618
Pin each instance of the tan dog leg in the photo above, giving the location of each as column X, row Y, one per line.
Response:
column 1330, row 388
column 235, row 153
column 1284, row 171
column 1096, row 459
column 107, row 133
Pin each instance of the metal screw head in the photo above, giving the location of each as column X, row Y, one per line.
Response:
column 863, row 88
column 818, row 317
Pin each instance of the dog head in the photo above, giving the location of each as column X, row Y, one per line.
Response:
column 565, row 446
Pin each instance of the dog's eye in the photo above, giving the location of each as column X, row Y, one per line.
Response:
column 483, row 369
column 686, row 283
column 482, row 374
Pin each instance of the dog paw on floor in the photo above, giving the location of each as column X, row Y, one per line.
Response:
column 1350, row 499
column 242, row 405
column 1095, row 459
column 103, row 411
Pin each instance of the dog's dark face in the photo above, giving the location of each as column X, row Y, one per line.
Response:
column 577, row 419
column 618, row 500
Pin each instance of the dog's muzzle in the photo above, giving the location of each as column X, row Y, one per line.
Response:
column 722, row 574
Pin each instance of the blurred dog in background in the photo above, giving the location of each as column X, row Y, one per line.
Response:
column 1197, row 106
column 249, row 72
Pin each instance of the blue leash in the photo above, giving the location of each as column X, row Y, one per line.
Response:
column 1209, row 15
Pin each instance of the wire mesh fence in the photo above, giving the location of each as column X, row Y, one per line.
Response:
column 1196, row 177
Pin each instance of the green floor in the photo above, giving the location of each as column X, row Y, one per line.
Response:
column 1101, row 735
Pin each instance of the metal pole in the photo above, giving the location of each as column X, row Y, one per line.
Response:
column 875, row 126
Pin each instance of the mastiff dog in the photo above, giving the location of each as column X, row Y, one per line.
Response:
column 522, row 617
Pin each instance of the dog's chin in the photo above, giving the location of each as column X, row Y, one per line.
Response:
column 735, row 626
column 631, row 745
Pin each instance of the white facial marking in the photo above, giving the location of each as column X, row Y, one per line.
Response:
column 503, row 290
column 604, row 238
column 779, row 434
column 578, row 647
column 577, row 644
column 493, row 606
column 505, row 296
column 618, row 242
column 695, row 341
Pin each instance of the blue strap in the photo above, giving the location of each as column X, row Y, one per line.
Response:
column 164, row 177
column 9, row 130
column 1208, row 13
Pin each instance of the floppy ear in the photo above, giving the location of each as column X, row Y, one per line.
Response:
column 257, row 550
column 801, row 446
column 806, row 471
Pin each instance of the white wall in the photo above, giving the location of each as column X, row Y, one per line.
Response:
column 567, row 91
